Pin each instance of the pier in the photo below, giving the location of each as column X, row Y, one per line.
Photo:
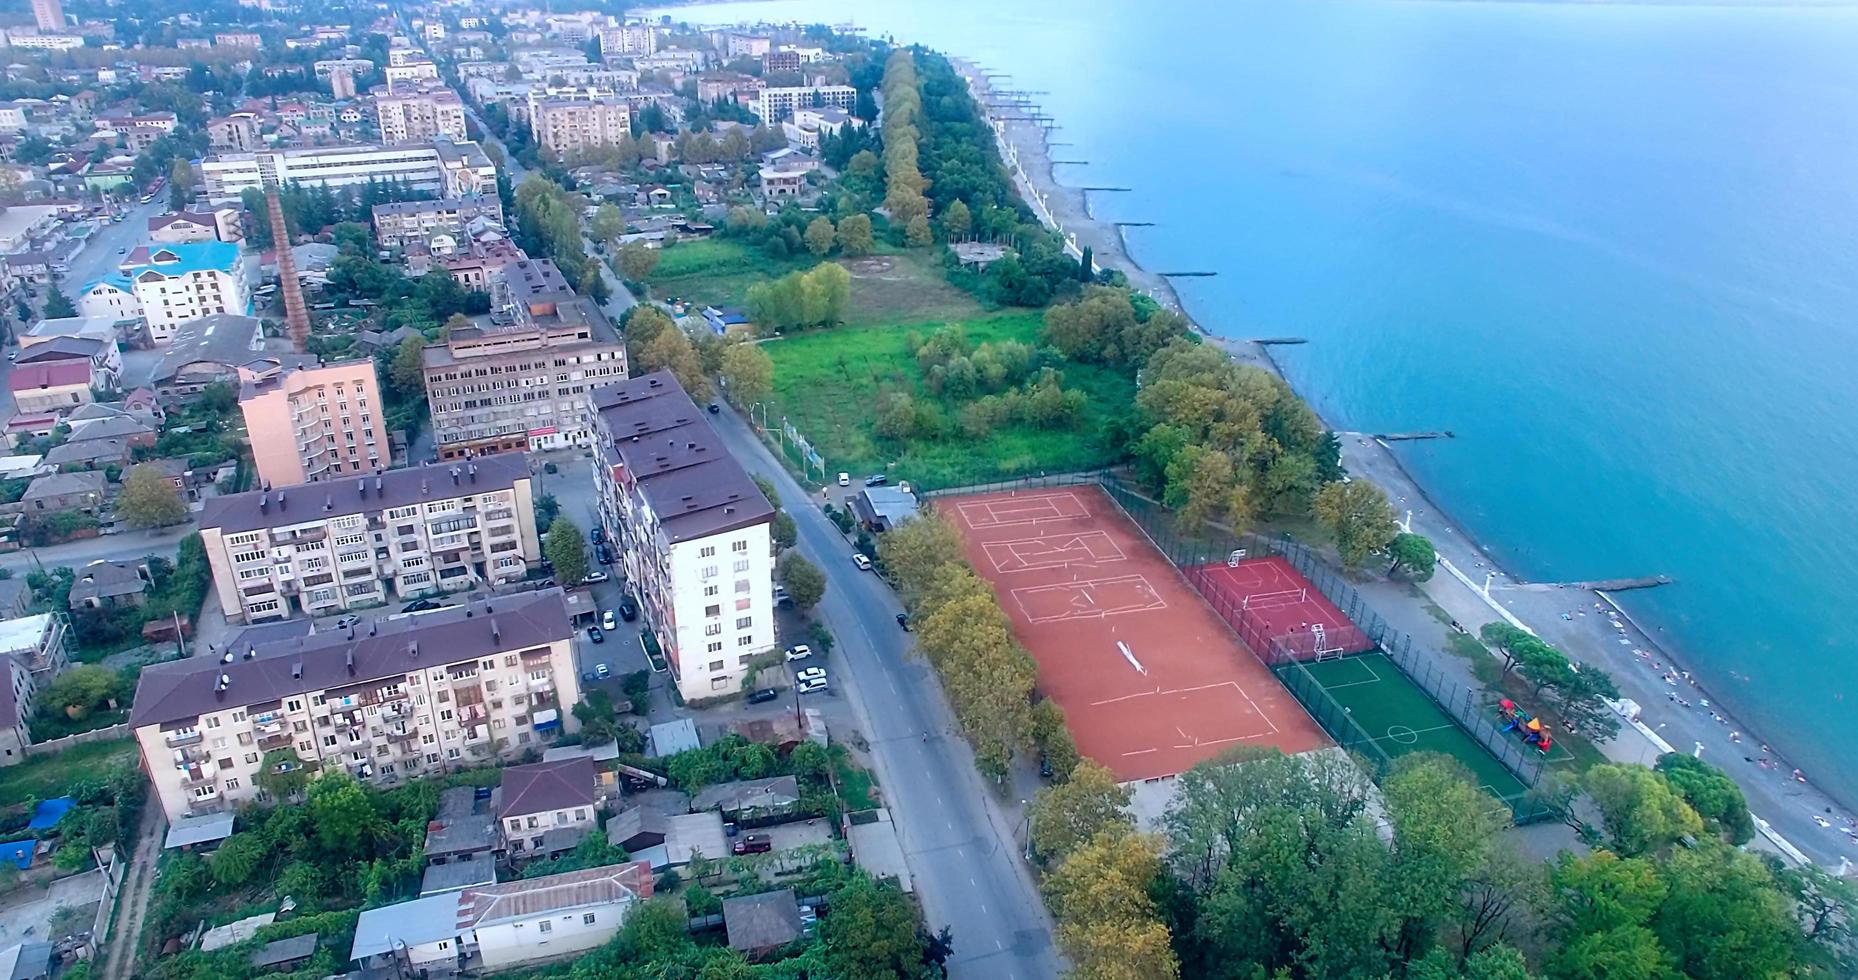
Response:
column 1598, row 585
column 1279, row 341
column 1074, row 163
column 1133, row 224
column 1116, row 189
column 1413, row 436
column 1189, row 275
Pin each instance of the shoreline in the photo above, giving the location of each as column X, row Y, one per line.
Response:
column 1638, row 661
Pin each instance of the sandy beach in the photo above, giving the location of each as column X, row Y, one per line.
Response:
column 1678, row 709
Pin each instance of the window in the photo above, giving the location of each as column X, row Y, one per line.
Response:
column 587, row 919
column 744, row 622
column 716, row 665
column 232, row 782
column 708, row 590
column 743, row 641
column 741, row 566
column 712, row 611
column 716, row 647
column 713, row 629
column 545, row 926
column 742, row 587
column 707, row 552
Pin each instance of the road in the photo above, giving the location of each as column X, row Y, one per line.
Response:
column 137, row 886
column 961, row 847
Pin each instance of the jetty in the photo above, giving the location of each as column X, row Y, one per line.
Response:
column 1133, row 224
column 1279, row 341
column 1598, row 585
column 1117, row 189
column 1414, row 436
column 1189, row 275
column 1074, row 163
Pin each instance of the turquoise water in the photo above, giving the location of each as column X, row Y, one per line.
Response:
column 1614, row 248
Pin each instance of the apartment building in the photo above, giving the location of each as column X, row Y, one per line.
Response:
column 411, row 75
column 441, row 167
column 421, row 115
column 776, row 104
column 561, row 125
column 48, row 14
column 517, row 380
column 169, row 284
column 404, row 223
column 386, row 701
column 627, row 40
column 308, row 424
column 692, row 531
column 354, row 542
column 238, row 131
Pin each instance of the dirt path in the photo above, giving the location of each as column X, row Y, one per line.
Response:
column 119, row 964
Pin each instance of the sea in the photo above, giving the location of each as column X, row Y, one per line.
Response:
column 1612, row 247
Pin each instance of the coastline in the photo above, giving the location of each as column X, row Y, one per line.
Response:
column 1677, row 709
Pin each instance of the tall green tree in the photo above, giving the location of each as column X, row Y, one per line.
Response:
column 1069, row 815
column 1414, row 554
column 854, row 235
column 149, row 499
column 58, row 305
column 872, row 934
column 636, row 261
column 566, row 549
column 804, row 582
column 1643, row 814
column 747, row 373
column 819, row 236
column 1358, row 515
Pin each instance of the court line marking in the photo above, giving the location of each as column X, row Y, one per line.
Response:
column 1081, row 589
column 1375, row 678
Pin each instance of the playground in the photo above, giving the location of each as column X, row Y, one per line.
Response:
column 1150, row 680
column 1397, row 717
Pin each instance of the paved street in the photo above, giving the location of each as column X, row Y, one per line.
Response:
column 961, row 847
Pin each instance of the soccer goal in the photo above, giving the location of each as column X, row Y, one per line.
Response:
column 1232, row 560
column 1273, row 600
column 1319, row 635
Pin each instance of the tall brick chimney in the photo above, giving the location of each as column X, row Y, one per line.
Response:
column 296, row 314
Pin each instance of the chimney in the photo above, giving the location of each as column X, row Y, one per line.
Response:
column 264, row 503
column 377, row 486
column 280, row 501
column 473, row 471
column 362, row 486
column 454, row 476
column 351, row 662
column 328, row 501
column 296, row 314
column 423, row 489
column 296, row 670
column 496, row 635
column 370, row 629
column 251, row 653
column 227, row 658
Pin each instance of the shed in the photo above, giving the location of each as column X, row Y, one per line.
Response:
column 460, row 873
column 284, row 955
column 197, row 831
column 672, row 737
column 759, row 923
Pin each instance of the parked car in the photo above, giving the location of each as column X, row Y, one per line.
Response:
column 753, row 844
column 594, row 634
column 876, row 480
column 805, row 674
column 595, row 576
column 812, row 686
column 863, row 563
column 1045, row 766
column 845, row 479
column 715, row 409
column 597, row 535
column 781, row 598
column 421, row 605
column 903, row 620
column 798, row 651
column 603, row 671
column 763, row 696
column 628, row 608
column 608, row 621
column 604, row 556
column 587, row 677
column 346, row 621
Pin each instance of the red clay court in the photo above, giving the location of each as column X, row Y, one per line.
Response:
column 1150, row 679
column 1274, row 608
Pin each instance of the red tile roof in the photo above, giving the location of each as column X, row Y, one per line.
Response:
column 57, row 374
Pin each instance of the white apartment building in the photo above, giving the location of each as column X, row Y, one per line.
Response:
column 439, row 225
column 442, row 167
column 169, row 284
column 627, row 40
column 561, row 125
column 350, row 543
column 410, row 75
column 776, row 104
column 384, row 701
column 692, row 531
column 421, row 116
column 46, row 42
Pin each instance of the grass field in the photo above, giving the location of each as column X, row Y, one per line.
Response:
column 890, row 286
column 826, row 383
column 1400, row 718
column 716, row 271
column 45, row 776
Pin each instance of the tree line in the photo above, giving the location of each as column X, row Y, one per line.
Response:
column 549, row 225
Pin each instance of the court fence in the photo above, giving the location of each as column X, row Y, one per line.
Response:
column 1199, row 549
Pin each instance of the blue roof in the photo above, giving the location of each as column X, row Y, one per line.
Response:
column 50, row 812
column 18, row 853
column 115, row 280
column 188, row 257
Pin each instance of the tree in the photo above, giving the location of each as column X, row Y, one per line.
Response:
column 237, row 857
column 407, row 373
column 282, row 774
column 1069, row 815
column 57, row 306
column 566, row 549
column 149, row 499
column 804, row 582
column 672, row 351
column 854, row 234
column 607, row 224
column 1414, row 553
column 819, row 236
column 1643, row 814
column 1107, row 923
column 1709, row 791
column 180, row 184
column 344, row 821
column 956, row 221
column 636, row 261
column 1358, row 514
column 1725, row 916
column 747, row 373
column 1598, row 912
column 871, row 933
column 784, row 532
column 916, row 232
column 916, row 552
column 81, row 690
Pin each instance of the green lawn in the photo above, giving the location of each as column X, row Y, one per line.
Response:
column 827, row 382
column 716, row 271
column 890, row 286
column 46, row 776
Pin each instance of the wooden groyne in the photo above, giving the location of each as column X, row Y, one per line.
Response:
column 1279, row 341
column 1189, row 275
column 1598, row 585
column 1413, row 436
column 1074, row 163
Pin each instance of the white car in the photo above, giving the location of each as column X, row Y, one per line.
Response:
column 812, row 686
column 845, row 479
column 863, row 563
column 609, row 621
column 798, row 652
column 596, row 576
column 805, row 674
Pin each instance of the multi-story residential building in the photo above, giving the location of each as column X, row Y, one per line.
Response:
column 692, row 531
column 519, row 381
column 342, row 84
column 442, row 167
column 354, row 66
column 238, row 39
column 52, row 388
column 236, row 132
column 171, row 284
column 780, row 61
column 747, row 46
column 561, row 125
column 776, row 104
column 49, row 14
column 47, row 42
column 384, row 701
column 16, row 697
column 547, row 800
column 222, row 225
column 627, row 40
column 308, row 424
column 410, row 75
column 352, row 542
column 405, row 223
column 421, row 115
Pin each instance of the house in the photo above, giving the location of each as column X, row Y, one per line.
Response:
column 727, row 321
column 470, row 872
column 759, row 924
column 57, row 386
column 207, row 351
column 750, row 798
column 120, row 426
column 106, row 363
column 16, row 691
column 502, row 925
column 463, row 829
column 777, row 183
column 668, row 840
column 882, row 508
column 221, row 225
column 35, row 644
column 107, row 584
column 66, row 491
column 101, row 328
column 90, row 453
column 546, row 796
column 284, row 955
column 26, row 961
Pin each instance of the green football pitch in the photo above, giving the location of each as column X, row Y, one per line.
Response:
column 1398, row 717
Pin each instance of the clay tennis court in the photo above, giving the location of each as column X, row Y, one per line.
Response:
column 1150, row 680
column 1276, row 610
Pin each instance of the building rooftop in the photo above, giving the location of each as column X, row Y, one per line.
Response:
column 188, row 831
column 451, row 914
column 180, row 259
column 330, row 499
column 111, row 427
column 108, row 579
column 693, row 485
column 464, row 872
column 463, row 825
column 223, row 338
column 59, row 484
column 23, row 635
column 52, row 374
column 762, row 921
column 284, row 951
column 71, row 326
column 748, row 794
column 543, row 786
column 62, row 348
column 204, row 218
column 460, row 204
column 182, row 690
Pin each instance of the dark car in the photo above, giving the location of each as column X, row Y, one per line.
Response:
column 753, row 844
column 764, row 695
column 594, row 634
column 876, row 480
column 421, row 605
column 715, row 408
column 604, row 556
column 903, row 620
column 628, row 609
column 597, row 535
column 1045, row 766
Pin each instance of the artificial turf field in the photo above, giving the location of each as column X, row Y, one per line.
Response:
column 1400, row 718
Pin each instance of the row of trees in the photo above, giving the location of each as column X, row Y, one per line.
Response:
column 549, row 225
column 798, row 300
column 904, row 184
column 1580, row 694
column 960, row 629
column 309, row 210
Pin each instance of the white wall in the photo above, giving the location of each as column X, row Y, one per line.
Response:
column 511, row 943
column 697, row 631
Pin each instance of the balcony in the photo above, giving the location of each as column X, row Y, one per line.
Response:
column 541, row 683
column 178, row 739
column 198, row 775
column 271, row 743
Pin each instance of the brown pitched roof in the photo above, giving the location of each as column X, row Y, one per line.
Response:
column 182, row 690
column 491, row 904
column 544, row 786
column 285, row 506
